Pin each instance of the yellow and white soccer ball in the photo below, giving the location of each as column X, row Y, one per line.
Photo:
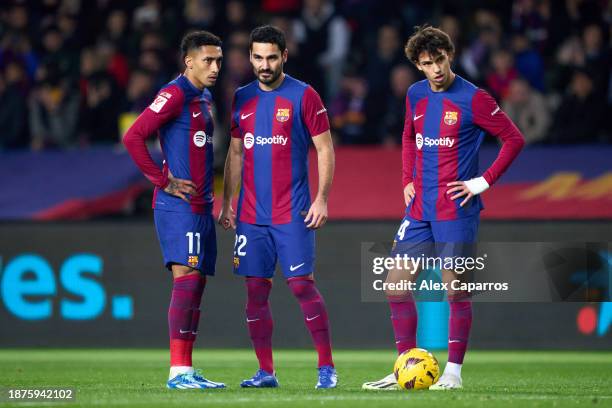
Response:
column 416, row 369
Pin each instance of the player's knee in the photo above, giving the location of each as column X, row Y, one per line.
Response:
column 394, row 286
column 454, row 279
column 459, row 299
column 302, row 286
column 258, row 291
column 398, row 295
column 183, row 270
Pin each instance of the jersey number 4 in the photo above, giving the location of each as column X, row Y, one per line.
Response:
column 402, row 229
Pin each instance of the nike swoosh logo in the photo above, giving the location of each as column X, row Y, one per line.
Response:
column 184, row 331
column 454, row 341
column 243, row 117
column 495, row 111
column 195, row 115
column 311, row 318
column 251, row 320
column 417, row 117
column 321, row 111
column 293, row 268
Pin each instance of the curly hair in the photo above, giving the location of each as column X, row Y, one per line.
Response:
column 429, row 39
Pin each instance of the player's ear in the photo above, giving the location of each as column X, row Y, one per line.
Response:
column 285, row 55
column 189, row 61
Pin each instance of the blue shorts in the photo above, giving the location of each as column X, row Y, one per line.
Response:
column 258, row 247
column 187, row 239
column 436, row 238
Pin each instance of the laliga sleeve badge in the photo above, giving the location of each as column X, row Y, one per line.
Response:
column 160, row 101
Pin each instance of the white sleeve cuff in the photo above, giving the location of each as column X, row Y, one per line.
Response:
column 477, row 185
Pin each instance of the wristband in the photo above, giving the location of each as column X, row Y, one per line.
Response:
column 477, row 185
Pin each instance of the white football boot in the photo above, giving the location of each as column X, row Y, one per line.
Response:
column 447, row 382
column 389, row 383
column 451, row 378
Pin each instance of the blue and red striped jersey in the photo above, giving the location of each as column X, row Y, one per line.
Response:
column 182, row 116
column 442, row 135
column 276, row 128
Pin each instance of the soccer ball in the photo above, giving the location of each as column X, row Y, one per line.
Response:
column 416, row 369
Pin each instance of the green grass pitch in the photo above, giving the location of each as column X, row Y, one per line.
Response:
column 109, row 378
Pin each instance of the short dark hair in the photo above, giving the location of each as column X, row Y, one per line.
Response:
column 268, row 34
column 196, row 39
column 429, row 39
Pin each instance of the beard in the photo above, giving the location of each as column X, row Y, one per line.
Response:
column 274, row 75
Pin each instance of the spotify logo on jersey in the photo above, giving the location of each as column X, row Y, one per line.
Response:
column 429, row 142
column 249, row 140
column 419, row 140
column 199, row 139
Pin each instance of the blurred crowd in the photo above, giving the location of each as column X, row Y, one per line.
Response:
column 77, row 73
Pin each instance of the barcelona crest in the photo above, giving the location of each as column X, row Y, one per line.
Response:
column 282, row 115
column 236, row 262
column 450, row 118
column 193, row 260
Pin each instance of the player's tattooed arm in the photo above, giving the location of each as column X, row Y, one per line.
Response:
column 180, row 187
